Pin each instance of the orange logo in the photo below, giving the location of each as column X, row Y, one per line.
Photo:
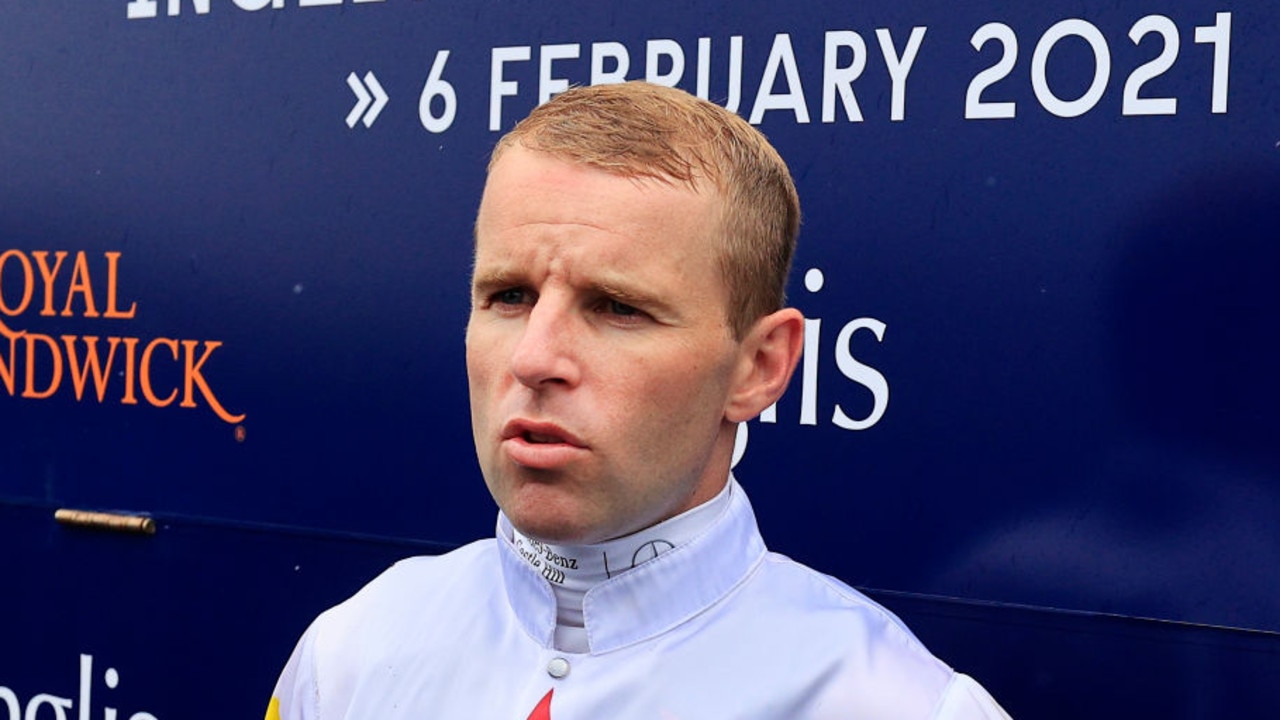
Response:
column 42, row 362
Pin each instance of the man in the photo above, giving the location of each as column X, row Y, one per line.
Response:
column 631, row 250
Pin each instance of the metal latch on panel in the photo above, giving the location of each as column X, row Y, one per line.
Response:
column 116, row 522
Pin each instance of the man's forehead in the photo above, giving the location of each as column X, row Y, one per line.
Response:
column 528, row 187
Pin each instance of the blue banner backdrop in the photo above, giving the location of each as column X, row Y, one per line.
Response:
column 1039, row 262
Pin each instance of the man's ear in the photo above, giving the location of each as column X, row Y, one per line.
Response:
column 767, row 356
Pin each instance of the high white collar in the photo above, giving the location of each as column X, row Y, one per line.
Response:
column 652, row 596
column 574, row 570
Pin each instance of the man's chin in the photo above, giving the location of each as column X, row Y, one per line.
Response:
column 548, row 513
column 561, row 526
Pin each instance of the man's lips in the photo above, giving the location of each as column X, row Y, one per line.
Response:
column 537, row 432
column 540, row 445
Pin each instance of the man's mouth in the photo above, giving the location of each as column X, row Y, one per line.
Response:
column 541, row 438
column 541, row 445
column 539, row 433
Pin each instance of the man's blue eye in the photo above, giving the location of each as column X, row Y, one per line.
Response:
column 510, row 297
column 618, row 308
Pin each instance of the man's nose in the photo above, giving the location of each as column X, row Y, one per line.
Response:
column 545, row 353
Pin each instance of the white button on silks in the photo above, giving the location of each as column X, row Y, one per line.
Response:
column 558, row 668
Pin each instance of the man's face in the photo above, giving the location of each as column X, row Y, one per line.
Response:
column 598, row 352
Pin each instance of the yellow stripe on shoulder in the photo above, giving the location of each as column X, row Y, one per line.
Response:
column 273, row 709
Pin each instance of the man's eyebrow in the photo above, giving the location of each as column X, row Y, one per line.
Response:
column 622, row 292
column 631, row 295
column 490, row 280
column 496, row 278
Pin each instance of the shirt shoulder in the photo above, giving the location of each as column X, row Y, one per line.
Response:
column 824, row 600
column 873, row 664
column 391, row 624
column 965, row 699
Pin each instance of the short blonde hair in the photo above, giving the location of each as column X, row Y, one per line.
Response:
column 638, row 129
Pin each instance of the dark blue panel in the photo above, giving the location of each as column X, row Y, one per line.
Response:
column 196, row 620
column 1048, row 663
column 1078, row 320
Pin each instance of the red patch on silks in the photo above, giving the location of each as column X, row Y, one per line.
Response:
column 543, row 710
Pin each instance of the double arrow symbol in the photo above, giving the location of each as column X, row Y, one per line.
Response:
column 363, row 99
